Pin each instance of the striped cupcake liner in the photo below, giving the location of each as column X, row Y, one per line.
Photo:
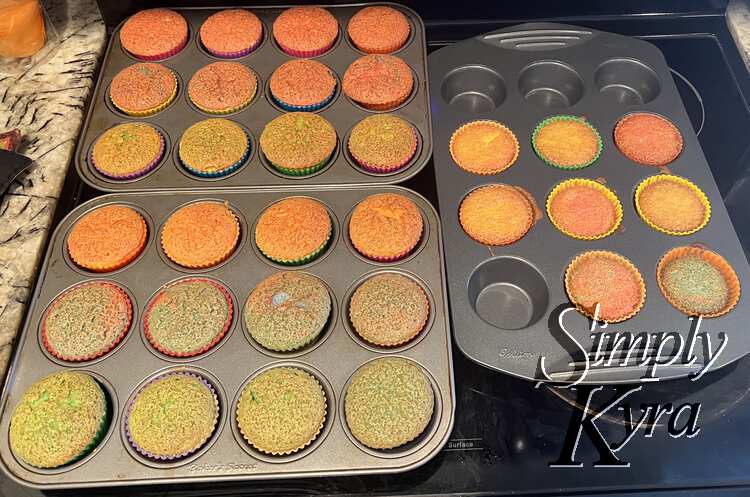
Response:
column 136, row 174
column 164, row 55
column 380, row 169
column 152, row 110
column 303, row 171
column 588, row 183
column 304, row 108
column 222, row 172
column 306, row 54
column 577, row 119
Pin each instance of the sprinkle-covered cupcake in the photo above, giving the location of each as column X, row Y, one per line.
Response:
column 127, row 151
column 383, row 143
column 172, row 416
column 648, row 139
column 672, row 205
column 107, row 238
column 86, row 321
column 154, row 34
column 379, row 29
column 60, row 419
column 200, row 235
column 188, row 317
column 484, row 147
column 608, row 280
column 386, row 227
column 305, row 31
column 496, row 214
column 282, row 410
column 293, row 231
column 378, row 82
column 584, row 209
column 222, row 87
column 231, row 33
column 302, row 85
column 389, row 403
column 698, row 282
column 298, row 143
column 214, row 147
column 143, row 89
column 389, row 309
column 567, row 142
column 287, row 311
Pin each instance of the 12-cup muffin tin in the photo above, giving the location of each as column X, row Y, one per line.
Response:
column 506, row 301
column 332, row 358
column 342, row 112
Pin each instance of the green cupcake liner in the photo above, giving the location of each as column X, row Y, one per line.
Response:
column 304, row 260
column 100, row 433
column 564, row 117
column 303, row 171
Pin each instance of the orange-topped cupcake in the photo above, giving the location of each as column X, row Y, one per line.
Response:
column 567, row 142
column 107, row 238
column 379, row 29
column 584, row 209
column 305, row 31
column 200, row 235
column 648, row 139
column 385, row 227
column 496, row 214
column 378, row 82
column 672, row 205
column 484, row 147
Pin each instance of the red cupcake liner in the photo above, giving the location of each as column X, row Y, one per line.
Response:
column 306, row 54
column 386, row 106
column 387, row 169
column 165, row 55
column 390, row 258
column 137, row 174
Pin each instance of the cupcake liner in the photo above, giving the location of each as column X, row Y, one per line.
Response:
column 391, row 258
column 223, row 172
column 306, row 54
column 207, row 347
column 716, row 260
column 106, row 349
column 375, row 168
column 566, row 118
column 106, row 268
column 175, row 457
column 500, row 167
column 304, row 108
column 236, row 54
column 230, row 110
column 495, row 242
column 590, row 184
column 211, row 262
column 153, row 110
column 381, row 51
column 390, row 105
column 397, row 343
column 302, row 260
column 164, row 55
column 636, row 114
column 534, row 206
column 100, row 432
column 677, row 179
column 136, row 174
column 301, row 171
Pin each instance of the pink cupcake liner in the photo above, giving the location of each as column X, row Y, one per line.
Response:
column 306, row 53
column 137, row 174
column 393, row 258
column 389, row 169
column 162, row 56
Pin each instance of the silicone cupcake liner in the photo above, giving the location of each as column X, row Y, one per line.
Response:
column 153, row 110
column 484, row 240
column 374, row 168
column 589, row 184
column 162, row 56
column 302, row 260
column 539, row 126
column 237, row 54
column 137, row 174
column 230, row 110
column 629, row 154
column 716, row 260
column 152, row 340
column 223, row 172
column 392, row 258
column 306, row 54
column 304, row 108
column 301, row 171
column 387, row 105
column 211, row 262
column 677, row 179
column 501, row 167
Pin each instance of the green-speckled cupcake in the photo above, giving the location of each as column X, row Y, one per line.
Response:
column 287, row 310
column 127, row 151
column 281, row 411
column 59, row 420
column 213, row 148
column 298, row 143
column 389, row 403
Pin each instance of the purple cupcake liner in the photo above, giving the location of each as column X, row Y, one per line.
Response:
column 237, row 54
column 129, row 410
column 137, row 174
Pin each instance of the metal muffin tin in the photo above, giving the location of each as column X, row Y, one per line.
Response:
column 332, row 359
column 520, row 76
column 256, row 172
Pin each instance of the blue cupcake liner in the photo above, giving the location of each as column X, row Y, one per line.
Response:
column 224, row 172
column 304, row 108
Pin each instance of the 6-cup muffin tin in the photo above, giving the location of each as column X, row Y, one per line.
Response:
column 331, row 359
column 506, row 301
column 342, row 112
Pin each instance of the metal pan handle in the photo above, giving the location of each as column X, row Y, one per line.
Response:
column 538, row 36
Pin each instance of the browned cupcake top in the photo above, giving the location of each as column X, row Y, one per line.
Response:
column 142, row 87
column 385, row 225
column 153, row 33
column 379, row 29
column 293, row 228
column 302, row 82
column 222, row 86
column 231, row 31
column 305, row 28
column 378, row 80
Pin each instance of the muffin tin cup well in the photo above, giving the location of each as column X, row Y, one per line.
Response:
column 342, row 112
column 332, row 359
column 506, row 301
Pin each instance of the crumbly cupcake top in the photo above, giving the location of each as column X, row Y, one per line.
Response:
column 695, row 284
column 297, row 140
column 567, row 142
column 213, row 145
column 648, row 139
column 305, row 29
column 302, row 82
column 672, row 204
column 222, row 86
column 389, row 402
column 142, row 87
column 378, row 80
column 293, row 228
column 153, row 33
column 379, row 29
column 496, row 214
column 127, row 148
column 231, row 31
column 382, row 140
column 59, row 419
column 385, row 225
column 584, row 209
column 484, row 147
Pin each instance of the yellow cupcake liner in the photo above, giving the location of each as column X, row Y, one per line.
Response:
column 677, row 179
column 153, row 110
column 488, row 240
column 591, row 184
column 230, row 110
column 500, row 167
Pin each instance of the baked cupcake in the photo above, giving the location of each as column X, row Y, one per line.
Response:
column 200, row 235
column 59, row 419
column 383, row 143
column 567, row 142
column 222, row 87
column 584, row 209
column 143, row 89
column 672, row 205
column 293, row 231
column 287, row 311
column 188, row 317
column 281, row 411
column 608, row 280
column 305, row 31
column 496, row 214
column 648, row 139
column 127, row 151
column 698, row 282
column 154, row 34
column 389, row 403
column 172, row 416
column 107, row 238
column 231, row 33
column 213, row 148
column 298, row 143
column 378, row 29
column 87, row 321
column 302, row 85
column 484, row 147
column 378, row 82
column 389, row 309
column 386, row 227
